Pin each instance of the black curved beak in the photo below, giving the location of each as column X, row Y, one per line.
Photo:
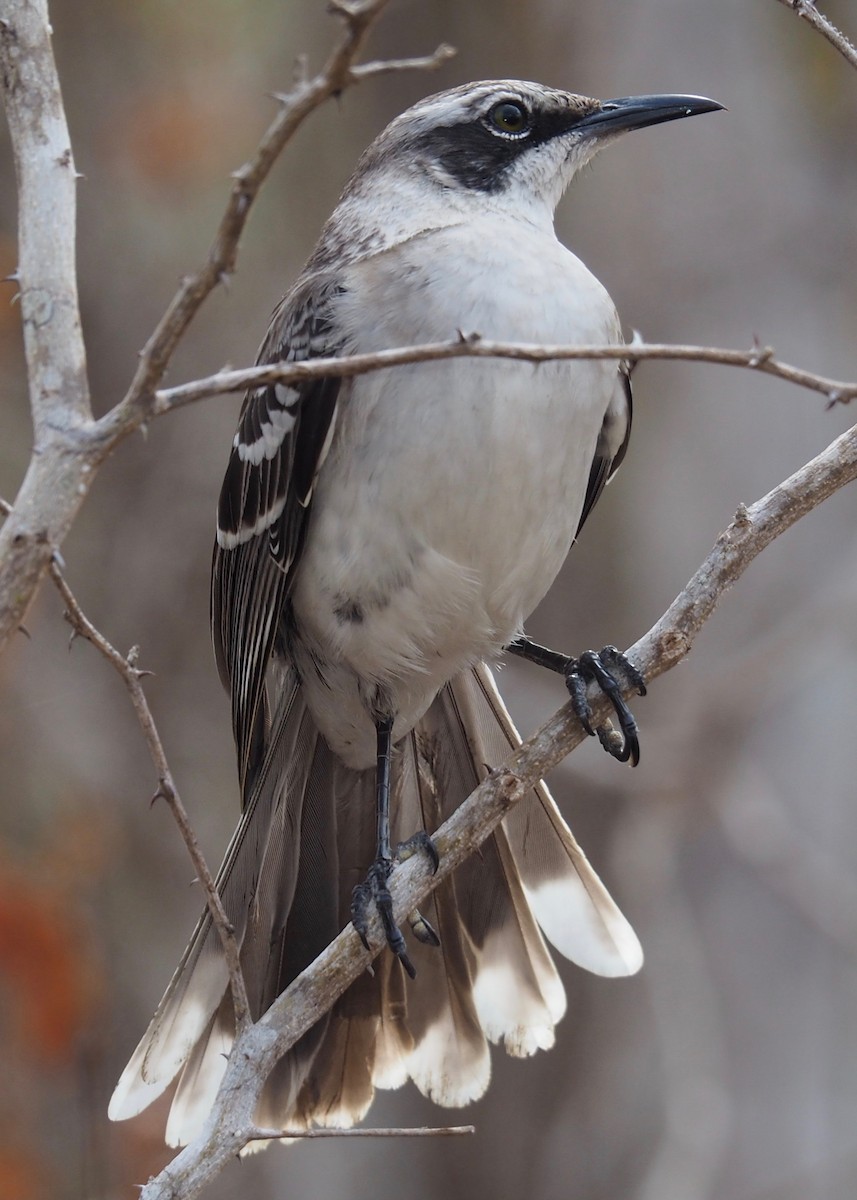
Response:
column 636, row 112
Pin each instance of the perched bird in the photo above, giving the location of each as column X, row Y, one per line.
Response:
column 380, row 540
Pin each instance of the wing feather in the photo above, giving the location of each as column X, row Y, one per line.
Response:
column 282, row 439
column 611, row 446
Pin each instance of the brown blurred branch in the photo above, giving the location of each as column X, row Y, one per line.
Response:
column 759, row 358
column 230, row 1124
column 131, row 675
column 808, row 12
column 126, row 667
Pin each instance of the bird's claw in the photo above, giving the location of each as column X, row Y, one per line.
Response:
column 374, row 890
column 612, row 671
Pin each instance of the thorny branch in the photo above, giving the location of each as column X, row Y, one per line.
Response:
column 70, row 446
column 295, row 106
column 663, row 647
column 62, row 471
column 230, row 1124
column 808, row 12
column 759, row 358
column 132, row 676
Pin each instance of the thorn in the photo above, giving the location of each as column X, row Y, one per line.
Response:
column 23, row 629
column 74, row 635
column 159, row 794
column 760, row 354
column 468, row 339
column 13, row 276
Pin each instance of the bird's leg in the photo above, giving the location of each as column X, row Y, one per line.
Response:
column 374, row 888
column 612, row 671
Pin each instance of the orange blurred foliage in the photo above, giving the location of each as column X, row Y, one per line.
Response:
column 177, row 137
column 51, row 981
column 21, row 1176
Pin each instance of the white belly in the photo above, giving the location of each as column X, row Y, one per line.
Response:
column 452, row 491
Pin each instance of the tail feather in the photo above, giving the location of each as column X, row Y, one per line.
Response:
column 305, row 839
column 201, row 1076
column 574, row 909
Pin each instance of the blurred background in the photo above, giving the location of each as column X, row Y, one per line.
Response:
column 728, row 1068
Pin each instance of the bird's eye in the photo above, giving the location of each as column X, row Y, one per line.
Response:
column 509, row 117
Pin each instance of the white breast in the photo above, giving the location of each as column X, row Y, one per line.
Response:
column 453, row 489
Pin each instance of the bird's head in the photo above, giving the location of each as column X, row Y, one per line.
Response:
column 510, row 141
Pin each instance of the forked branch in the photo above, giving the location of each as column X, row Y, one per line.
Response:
column 230, row 1125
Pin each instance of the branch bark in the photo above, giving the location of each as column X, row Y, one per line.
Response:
column 807, row 11
column 230, row 1125
column 50, row 495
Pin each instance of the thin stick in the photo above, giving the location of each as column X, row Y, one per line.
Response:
column 807, row 11
column 756, row 359
column 131, row 675
column 337, row 74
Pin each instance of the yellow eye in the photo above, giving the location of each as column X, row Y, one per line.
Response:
column 509, row 117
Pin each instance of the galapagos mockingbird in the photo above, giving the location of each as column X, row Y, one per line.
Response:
column 380, row 540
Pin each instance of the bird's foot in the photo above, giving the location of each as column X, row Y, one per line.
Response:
column 612, row 671
column 374, row 890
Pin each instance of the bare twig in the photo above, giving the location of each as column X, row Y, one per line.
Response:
column 230, row 1123
column 295, row 106
column 131, row 675
column 472, row 346
column 808, row 12
column 429, row 62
